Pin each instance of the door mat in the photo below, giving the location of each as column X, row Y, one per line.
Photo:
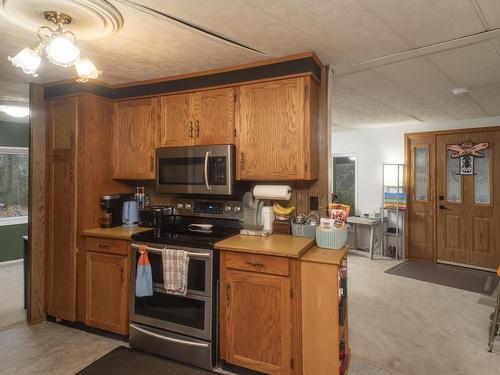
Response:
column 443, row 274
column 126, row 361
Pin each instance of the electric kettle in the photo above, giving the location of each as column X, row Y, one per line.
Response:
column 130, row 214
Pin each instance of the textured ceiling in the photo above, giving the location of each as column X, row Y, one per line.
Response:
column 397, row 60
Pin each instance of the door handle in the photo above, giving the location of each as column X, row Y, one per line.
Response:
column 228, row 293
column 190, row 129
column 441, row 207
column 207, row 185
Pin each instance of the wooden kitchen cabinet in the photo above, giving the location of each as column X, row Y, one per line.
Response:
column 256, row 313
column 106, row 297
column 199, row 118
column 136, row 126
column 78, row 172
column 61, row 208
column 277, row 130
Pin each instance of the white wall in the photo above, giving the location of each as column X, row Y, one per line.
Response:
column 376, row 146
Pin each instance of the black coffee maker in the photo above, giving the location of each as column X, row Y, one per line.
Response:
column 112, row 206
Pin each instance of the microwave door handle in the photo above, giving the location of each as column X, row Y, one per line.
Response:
column 207, row 156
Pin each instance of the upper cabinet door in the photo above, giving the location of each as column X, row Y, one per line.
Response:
column 214, row 120
column 135, row 136
column 62, row 127
column 275, row 136
column 177, row 124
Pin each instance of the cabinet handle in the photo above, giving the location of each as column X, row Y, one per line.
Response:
column 151, row 163
column 197, row 128
column 255, row 263
column 242, row 161
column 190, row 129
column 102, row 245
column 228, row 293
column 71, row 172
column 71, row 139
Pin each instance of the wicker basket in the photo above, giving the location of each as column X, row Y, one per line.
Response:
column 303, row 230
column 329, row 238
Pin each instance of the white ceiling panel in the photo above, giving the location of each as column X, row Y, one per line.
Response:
column 382, row 90
column 342, row 24
column 423, row 79
column 424, row 22
column 488, row 97
column 251, row 26
column 491, row 11
column 353, row 110
column 474, row 66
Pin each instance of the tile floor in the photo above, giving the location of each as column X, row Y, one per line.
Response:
column 11, row 294
column 397, row 326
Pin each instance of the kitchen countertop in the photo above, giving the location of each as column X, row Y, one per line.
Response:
column 276, row 244
column 326, row 256
column 119, row 233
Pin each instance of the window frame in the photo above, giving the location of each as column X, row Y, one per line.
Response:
column 15, row 220
column 356, row 179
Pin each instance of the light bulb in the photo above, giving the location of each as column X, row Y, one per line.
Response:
column 86, row 70
column 62, row 51
column 15, row 110
column 28, row 60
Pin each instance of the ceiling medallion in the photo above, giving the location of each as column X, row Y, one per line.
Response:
column 60, row 48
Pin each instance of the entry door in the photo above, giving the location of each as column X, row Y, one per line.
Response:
column 468, row 206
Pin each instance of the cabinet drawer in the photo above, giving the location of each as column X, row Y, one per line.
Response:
column 258, row 263
column 107, row 245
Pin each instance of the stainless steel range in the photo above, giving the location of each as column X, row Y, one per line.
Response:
column 183, row 328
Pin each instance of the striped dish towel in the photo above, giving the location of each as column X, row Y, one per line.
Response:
column 175, row 271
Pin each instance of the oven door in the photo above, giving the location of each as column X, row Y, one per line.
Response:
column 191, row 314
column 196, row 170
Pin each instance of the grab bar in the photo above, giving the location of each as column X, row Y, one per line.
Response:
column 159, row 251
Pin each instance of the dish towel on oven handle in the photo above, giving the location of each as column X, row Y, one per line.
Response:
column 175, row 271
column 144, row 278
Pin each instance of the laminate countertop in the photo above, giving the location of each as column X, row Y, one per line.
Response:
column 276, row 244
column 326, row 256
column 119, row 233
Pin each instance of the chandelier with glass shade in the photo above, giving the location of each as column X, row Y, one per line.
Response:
column 60, row 48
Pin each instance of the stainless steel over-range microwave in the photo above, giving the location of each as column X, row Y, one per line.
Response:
column 196, row 170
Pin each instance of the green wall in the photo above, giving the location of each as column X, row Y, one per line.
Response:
column 14, row 134
column 11, row 244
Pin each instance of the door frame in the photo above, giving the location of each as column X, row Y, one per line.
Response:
column 408, row 137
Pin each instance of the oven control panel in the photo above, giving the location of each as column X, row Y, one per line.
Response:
column 208, row 208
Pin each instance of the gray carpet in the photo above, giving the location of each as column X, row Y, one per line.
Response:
column 126, row 361
column 455, row 277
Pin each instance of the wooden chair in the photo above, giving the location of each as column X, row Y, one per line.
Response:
column 495, row 320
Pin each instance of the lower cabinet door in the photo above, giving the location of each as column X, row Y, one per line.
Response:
column 258, row 322
column 106, row 296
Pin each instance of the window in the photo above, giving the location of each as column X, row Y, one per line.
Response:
column 13, row 185
column 344, row 180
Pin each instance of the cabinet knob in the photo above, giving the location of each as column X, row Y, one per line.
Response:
column 197, row 128
column 190, row 129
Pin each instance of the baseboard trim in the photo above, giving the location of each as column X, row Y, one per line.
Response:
column 8, row 262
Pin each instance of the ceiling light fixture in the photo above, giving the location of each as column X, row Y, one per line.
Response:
column 60, row 48
column 15, row 110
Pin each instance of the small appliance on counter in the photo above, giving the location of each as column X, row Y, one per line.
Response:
column 152, row 217
column 258, row 218
column 112, row 209
column 130, row 214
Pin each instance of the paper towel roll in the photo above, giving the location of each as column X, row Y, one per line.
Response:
column 277, row 192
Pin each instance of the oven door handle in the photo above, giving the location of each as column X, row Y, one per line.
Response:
column 191, row 254
column 207, row 156
column 170, row 339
